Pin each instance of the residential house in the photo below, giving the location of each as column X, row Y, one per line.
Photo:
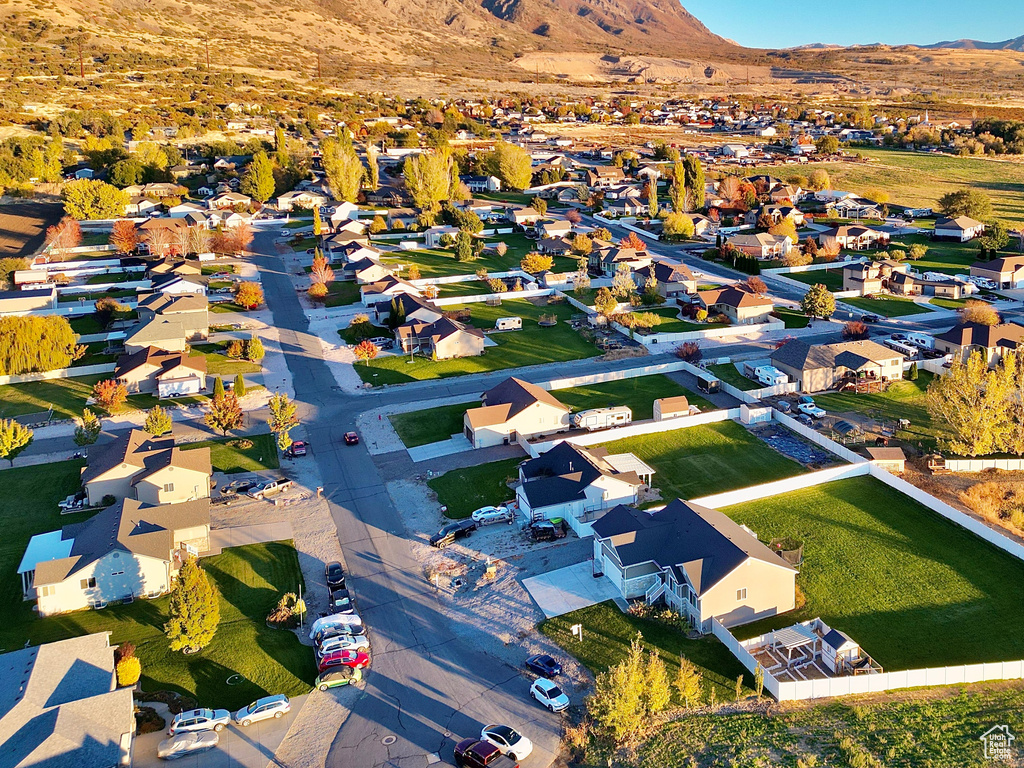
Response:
column 738, row 151
column 138, row 205
column 522, row 216
column 555, row 246
column 229, row 219
column 436, row 236
column 442, row 339
column 786, row 194
column 386, row 289
column 1005, row 272
column 559, row 228
column 960, row 228
column 386, row 194
column 407, row 216
column 705, row 565
column 481, row 183
column 855, row 237
column 26, row 301
column 673, row 279
column 854, row 208
column 163, row 333
column 173, row 266
column 129, row 550
column 870, row 276
column 301, row 198
column 229, row 200
column 62, row 706
column 148, row 469
column 514, row 409
column 990, row 340
column 776, row 213
column 820, row 367
column 604, row 176
column 607, row 260
column 762, row 245
column 366, row 271
column 179, row 284
column 738, row 304
column 353, row 252
column 181, row 210
column 904, row 284
column 832, row 195
column 340, row 213
column 189, row 309
column 167, row 374
column 577, row 484
column 626, row 206
column 335, row 243
column 649, row 172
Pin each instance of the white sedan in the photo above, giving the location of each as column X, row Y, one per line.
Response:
column 549, row 694
column 498, row 514
column 811, row 410
column 507, row 739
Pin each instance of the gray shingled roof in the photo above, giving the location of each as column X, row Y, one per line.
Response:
column 157, row 329
column 520, row 395
column 852, row 354
column 564, row 473
column 987, row 336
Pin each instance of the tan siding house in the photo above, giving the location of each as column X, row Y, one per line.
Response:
column 741, row 306
column 823, row 366
column 990, row 340
column 514, row 409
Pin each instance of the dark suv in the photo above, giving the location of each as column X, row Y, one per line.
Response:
column 453, row 531
column 334, row 574
column 546, row 530
column 473, row 753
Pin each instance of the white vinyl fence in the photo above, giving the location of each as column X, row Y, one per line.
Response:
column 60, row 373
column 817, row 438
column 509, row 296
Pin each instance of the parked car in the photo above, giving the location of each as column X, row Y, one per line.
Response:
column 811, row 410
column 473, row 753
column 544, row 665
column 806, row 420
column 351, row 438
column 453, row 531
column 336, row 630
column 269, row 487
column 342, row 643
column 498, row 514
column 263, row 709
column 285, row 233
column 336, row 620
column 341, row 602
column 870, row 319
column 549, row 694
column 199, row 720
column 335, row 676
column 335, row 575
column 354, row 659
column 383, row 342
column 804, row 399
column 510, row 741
column 548, row 530
column 296, row 449
column 188, row 743
column 784, row 406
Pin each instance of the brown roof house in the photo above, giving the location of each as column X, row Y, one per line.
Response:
column 991, row 340
column 762, row 245
column 823, row 366
column 513, row 409
column 578, row 484
column 160, row 332
column 442, row 339
column 189, row 309
column 738, row 304
column 126, row 551
column 903, row 284
column 1005, row 272
column 62, row 706
column 705, row 565
column 385, row 289
column 673, row 279
column 870, row 276
column 960, row 228
column 167, row 374
column 855, row 237
column 607, row 260
column 148, row 469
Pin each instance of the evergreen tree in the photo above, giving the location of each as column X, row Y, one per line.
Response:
column 218, row 387
column 695, row 181
column 194, row 611
column 239, row 389
column 464, row 246
column 254, row 351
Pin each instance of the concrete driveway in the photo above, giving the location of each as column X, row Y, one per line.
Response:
column 251, row 747
column 569, row 589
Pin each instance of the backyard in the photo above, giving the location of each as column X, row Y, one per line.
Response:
column 340, row 293
column 231, row 454
column 438, row 262
column 249, row 579
column 830, row 278
column 466, row 490
column 671, row 322
column 530, row 346
column 913, row 589
column 888, row 306
column 639, row 393
column 706, row 459
column 66, row 396
column 727, row 372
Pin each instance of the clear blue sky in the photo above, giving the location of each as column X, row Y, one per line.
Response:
column 785, row 23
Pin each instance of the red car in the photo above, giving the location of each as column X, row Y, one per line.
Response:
column 473, row 753
column 351, row 438
column 354, row 659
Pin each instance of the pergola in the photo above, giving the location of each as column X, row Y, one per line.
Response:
column 792, row 638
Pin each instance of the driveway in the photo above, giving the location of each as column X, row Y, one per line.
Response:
column 569, row 589
column 251, row 747
column 240, row 535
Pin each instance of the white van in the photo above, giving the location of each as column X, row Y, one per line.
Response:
column 770, row 376
column 603, row 418
column 508, row 324
column 922, row 340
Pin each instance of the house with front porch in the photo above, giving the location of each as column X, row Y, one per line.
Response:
column 959, row 228
column 855, row 237
column 673, row 279
column 820, row 367
column 386, row 289
column 763, row 245
column 166, row 374
column 702, row 563
column 739, row 305
column 870, row 276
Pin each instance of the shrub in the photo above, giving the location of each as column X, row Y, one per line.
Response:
column 984, row 498
column 855, row 330
column 689, row 351
column 235, row 350
column 109, row 500
column 129, row 670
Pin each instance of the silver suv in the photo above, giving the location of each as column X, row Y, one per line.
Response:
column 263, row 709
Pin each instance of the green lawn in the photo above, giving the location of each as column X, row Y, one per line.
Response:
column 942, row 256
column 94, row 355
column 948, row 303
column 116, row 277
column 888, row 306
column 441, row 263
column 66, row 396
column 467, row 288
column 711, row 458
column 913, row 589
column 793, row 318
column 86, row 324
column 607, row 633
column 298, row 223
column 340, row 293
column 830, row 278
column 303, row 244
column 672, row 323
column 231, row 458
column 727, row 372
column 96, row 238
column 218, row 364
column 515, row 349
column 91, row 298
column 429, row 426
column 224, row 307
column 465, row 490
column 250, row 579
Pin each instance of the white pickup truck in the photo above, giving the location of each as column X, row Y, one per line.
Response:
column 269, row 487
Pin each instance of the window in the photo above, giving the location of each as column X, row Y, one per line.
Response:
column 168, row 487
column 741, row 594
column 88, row 583
column 47, row 591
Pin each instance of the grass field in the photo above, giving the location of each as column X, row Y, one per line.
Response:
column 249, row 579
column 830, row 278
column 607, row 633
column 429, row 426
column 888, row 306
column 66, row 396
column 530, row 346
column 218, row 364
column 465, row 490
column 224, row 307
column 340, row 294
column 712, row 458
column 467, row 288
column 437, row 262
column 727, row 372
column 85, row 324
column 672, row 323
column 793, row 318
column 913, row 589
column 231, row 458
column 90, row 298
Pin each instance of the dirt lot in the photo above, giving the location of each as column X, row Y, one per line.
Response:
column 23, row 226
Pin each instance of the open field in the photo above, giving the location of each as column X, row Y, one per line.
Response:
column 429, row 426
column 249, row 579
column 437, row 262
column 340, row 294
column 23, row 227
column 530, row 346
column 913, row 589
column 672, row 323
column 465, row 490
column 710, row 458
column 887, row 306
column 230, row 458
column 607, row 633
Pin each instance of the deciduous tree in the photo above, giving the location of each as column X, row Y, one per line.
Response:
column 110, row 395
column 536, row 262
column 365, row 350
column 512, row 164
column 828, row 145
column 980, row 312
column 373, row 169
column 693, row 172
column 818, row 302
column 89, row 199
column 970, row 401
column 428, row 179
column 967, row 202
column 258, row 179
column 819, row 180
column 124, row 236
column 317, row 292
column 605, row 302
column 248, row 294
column 224, row 413
column 88, row 429
column 633, row 240
column 158, row 421
column 283, row 419
column 622, row 282
column 193, row 611
column 343, row 168
column 14, row 438
column 687, row 683
column 33, row 344
column 254, row 351
column 677, row 226
column 756, row 285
